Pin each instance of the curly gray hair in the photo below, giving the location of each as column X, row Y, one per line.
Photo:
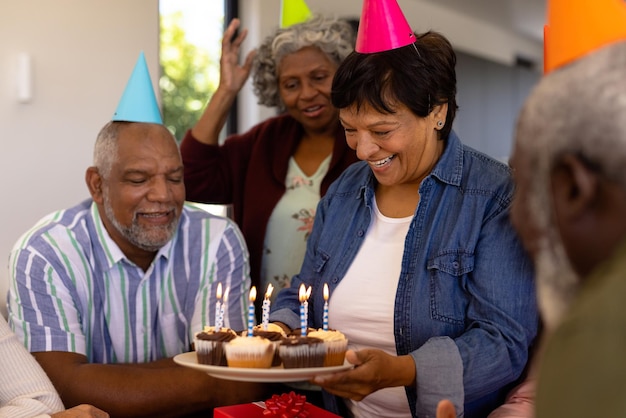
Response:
column 334, row 37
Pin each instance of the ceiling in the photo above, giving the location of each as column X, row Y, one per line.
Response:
column 526, row 17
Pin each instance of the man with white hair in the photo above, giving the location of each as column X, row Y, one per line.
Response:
column 569, row 158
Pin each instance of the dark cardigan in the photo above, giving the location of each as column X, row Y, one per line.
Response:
column 248, row 171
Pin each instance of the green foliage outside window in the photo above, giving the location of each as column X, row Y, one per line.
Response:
column 189, row 76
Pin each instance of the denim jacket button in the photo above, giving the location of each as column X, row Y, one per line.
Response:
column 455, row 264
column 360, row 233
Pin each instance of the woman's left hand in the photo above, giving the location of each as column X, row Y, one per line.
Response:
column 374, row 370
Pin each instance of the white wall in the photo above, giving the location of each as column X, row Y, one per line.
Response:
column 83, row 52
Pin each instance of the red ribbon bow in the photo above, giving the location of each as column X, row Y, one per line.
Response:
column 287, row 405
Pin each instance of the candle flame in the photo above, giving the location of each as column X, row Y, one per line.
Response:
column 308, row 293
column 269, row 291
column 253, row 294
column 325, row 291
column 219, row 291
column 302, row 293
column 226, row 294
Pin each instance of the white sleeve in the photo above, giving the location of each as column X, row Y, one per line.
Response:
column 25, row 390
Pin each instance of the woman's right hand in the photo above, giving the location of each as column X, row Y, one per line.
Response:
column 232, row 75
column 374, row 370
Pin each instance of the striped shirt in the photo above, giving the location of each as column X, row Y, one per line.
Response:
column 72, row 289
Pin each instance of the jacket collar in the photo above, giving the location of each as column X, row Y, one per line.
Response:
column 449, row 168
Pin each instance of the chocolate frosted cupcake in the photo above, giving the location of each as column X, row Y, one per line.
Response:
column 209, row 345
column 336, row 345
column 299, row 352
column 275, row 334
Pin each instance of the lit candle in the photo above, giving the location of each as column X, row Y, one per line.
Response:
column 302, row 297
column 306, row 306
column 223, row 308
column 325, row 320
column 251, row 310
column 218, row 308
column 266, row 306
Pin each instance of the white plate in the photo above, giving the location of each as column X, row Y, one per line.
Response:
column 274, row 374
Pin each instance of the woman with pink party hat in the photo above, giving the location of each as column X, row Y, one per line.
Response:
column 428, row 279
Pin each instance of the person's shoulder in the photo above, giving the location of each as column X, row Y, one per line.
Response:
column 477, row 174
column 482, row 171
column 197, row 214
column 486, row 162
column 63, row 221
column 278, row 122
column 272, row 130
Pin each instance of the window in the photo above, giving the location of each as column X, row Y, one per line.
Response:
column 191, row 33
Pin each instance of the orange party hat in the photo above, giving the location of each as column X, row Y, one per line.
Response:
column 578, row 27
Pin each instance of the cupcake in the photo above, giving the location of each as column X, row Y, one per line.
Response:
column 336, row 345
column 298, row 352
column 249, row 352
column 275, row 334
column 209, row 345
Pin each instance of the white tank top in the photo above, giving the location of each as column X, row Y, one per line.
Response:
column 362, row 306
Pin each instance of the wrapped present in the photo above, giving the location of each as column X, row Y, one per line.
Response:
column 287, row 405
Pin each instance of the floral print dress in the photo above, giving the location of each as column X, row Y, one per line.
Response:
column 289, row 227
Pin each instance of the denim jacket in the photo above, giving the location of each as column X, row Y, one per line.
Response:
column 465, row 307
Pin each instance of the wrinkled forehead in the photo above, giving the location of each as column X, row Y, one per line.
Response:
column 138, row 142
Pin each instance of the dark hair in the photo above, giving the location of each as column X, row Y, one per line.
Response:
column 420, row 76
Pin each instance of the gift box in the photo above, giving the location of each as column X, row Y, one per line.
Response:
column 279, row 406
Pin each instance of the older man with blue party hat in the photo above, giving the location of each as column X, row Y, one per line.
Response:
column 106, row 293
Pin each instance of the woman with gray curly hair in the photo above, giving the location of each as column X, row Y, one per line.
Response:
column 275, row 173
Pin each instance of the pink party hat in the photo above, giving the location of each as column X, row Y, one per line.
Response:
column 382, row 27
column 138, row 102
column 578, row 27
column 293, row 12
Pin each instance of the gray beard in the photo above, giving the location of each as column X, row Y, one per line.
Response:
column 557, row 283
column 140, row 237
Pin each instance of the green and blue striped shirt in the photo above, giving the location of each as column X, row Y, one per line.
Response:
column 72, row 289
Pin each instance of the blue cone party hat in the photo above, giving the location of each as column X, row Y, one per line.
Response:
column 138, row 103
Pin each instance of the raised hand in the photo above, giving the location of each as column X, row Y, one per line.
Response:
column 232, row 78
column 232, row 74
